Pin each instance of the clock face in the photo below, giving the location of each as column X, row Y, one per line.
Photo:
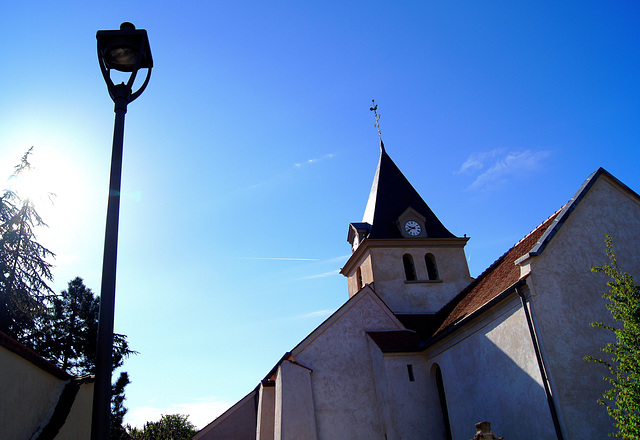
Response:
column 412, row 228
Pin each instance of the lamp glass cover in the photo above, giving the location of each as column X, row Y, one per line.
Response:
column 122, row 58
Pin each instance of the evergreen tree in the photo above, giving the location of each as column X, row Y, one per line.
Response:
column 68, row 337
column 63, row 328
column 118, row 411
column 623, row 356
column 24, row 269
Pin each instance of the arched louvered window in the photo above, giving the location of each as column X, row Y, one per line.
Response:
column 409, row 267
column 432, row 269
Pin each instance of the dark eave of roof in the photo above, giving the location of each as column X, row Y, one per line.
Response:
column 391, row 195
column 419, row 328
column 396, row 341
column 424, row 324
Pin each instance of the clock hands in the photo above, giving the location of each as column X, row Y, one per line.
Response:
column 412, row 228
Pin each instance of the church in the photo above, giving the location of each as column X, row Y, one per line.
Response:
column 422, row 350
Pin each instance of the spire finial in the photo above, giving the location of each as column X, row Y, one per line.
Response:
column 374, row 109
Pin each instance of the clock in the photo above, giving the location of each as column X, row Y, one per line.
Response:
column 412, row 228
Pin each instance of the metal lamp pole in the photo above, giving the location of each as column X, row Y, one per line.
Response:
column 125, row 50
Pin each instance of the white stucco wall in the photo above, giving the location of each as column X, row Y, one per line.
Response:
column 567, row 296
column 490, row 372
column 413, row 405
column 28, row 396
column 366, row 272
column 418, row 297
column 237, row 423
column 78, row 423
column 266, row 413
column 294, row 412
column 343, row 380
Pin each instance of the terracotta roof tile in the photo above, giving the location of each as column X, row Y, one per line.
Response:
column 501, row 275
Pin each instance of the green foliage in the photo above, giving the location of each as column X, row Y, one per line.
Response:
column 118, row 411
column 61, row 328
column 623, row 301
column 169, row 427
column 68, row 337
column 24, row 269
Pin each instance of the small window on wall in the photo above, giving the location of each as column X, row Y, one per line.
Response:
column 359, row 278
column 410, row 372
column 432, row 269
column 409, row 267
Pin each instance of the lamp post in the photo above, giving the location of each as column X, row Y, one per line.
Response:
column 124, row 50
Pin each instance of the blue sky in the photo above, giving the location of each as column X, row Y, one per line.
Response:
column 253, row 147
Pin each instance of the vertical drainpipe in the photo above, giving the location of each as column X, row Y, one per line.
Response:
column 543, row 373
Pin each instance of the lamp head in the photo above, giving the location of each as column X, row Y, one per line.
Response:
column 124, row 50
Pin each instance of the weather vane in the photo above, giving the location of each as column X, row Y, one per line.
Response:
column 374, row 109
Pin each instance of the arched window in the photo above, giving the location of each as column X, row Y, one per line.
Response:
column 409, row 268
column 435, row 372
column 359, row 278
column 432, row 269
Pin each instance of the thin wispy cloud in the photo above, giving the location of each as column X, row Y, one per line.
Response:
column 322, row 314
column 277, row 258
column 317, row 314
column 312, row 161
column 321, row 275
column 277, row 178
column 340, row 259
column 495, row 168
column 478, row 161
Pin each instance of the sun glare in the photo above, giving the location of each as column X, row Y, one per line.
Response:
column 29, row 185
column 51, row 183
column 61, row 186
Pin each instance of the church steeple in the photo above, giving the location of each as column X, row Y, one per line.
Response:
column 401, row 249
column 391, row 195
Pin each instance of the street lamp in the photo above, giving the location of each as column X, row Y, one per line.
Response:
column 124, row 50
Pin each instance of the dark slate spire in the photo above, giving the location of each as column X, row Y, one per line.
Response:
column 391, row 195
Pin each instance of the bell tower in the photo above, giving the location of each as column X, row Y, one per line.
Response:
column 401, row 248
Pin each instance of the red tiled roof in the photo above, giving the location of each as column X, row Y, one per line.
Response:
column 501, row 275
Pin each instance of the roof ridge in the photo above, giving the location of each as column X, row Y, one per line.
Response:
column 501, row 257
column 537, row 227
